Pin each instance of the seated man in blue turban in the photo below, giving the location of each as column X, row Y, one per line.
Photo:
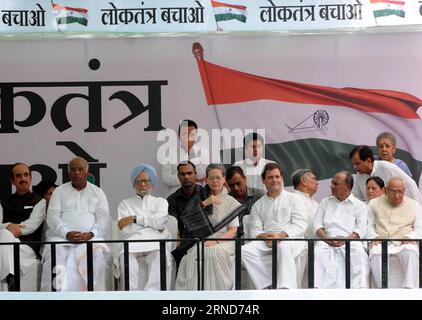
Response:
column 144, row 217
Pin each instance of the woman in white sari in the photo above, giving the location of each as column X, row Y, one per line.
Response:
column 221, row 211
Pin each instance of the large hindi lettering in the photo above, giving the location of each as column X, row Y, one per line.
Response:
column 116, row 16
column 181, row 15
column 24, row 18
column 38, row 107
column 275, row 13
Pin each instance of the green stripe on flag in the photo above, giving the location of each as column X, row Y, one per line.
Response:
column 230, row 16
column 67, row 20
column 389, row 12
column 324, row 157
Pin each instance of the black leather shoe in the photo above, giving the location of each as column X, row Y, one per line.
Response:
column 10, row 279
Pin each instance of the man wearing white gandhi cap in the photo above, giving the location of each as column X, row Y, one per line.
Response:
column 144, row 217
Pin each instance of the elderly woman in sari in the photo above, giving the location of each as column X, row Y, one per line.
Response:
column 210, row 214
column 387, row 147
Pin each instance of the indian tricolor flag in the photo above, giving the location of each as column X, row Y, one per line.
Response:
column 226, row 11
column 310, row 125
column 66, row 15
column 383, row 8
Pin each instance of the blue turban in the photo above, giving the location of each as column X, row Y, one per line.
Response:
column 149, row 170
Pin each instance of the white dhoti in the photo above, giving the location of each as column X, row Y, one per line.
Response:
column 408, row 256
column 145, row 271
column 289, row 274
column 27, row 255
column 71, row 268
column 330, row 266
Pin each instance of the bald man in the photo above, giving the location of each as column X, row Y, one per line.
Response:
column 396, row 216
column 78, row 211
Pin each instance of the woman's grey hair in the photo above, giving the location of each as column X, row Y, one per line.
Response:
column 387, row 135
column 218, row 166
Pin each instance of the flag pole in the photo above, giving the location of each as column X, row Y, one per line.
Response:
column 198, row 53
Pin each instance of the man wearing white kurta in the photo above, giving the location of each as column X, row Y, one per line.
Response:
column 340, row 216
column 278, row 214
column 143, row 217
column 396, row 216
column 305, row 186
column 254, row 163
column 186, row 149
column 363, row 161
column 78, row 211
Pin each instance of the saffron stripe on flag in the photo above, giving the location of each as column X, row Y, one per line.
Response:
column 60, row 7
column 216, row 4
column 402, row 3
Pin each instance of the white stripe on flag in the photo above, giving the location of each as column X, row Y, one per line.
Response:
column 344, row 125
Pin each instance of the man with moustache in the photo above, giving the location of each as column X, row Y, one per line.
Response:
column 186, row 172
column 239, row 190
column 17, row 223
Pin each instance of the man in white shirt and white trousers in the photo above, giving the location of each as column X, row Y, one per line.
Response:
column 279, row 214
column 144, row 217
column 341, row 216
column 78, row 211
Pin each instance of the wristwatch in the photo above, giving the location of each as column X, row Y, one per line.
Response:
column 134, row 220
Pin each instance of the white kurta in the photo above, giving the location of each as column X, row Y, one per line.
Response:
column 252, row 172
column 386, row 170
column 341, row 219
column 311, row 208
column 72, row 210
column 285, row 213
column 27, row 255
column 200, row 157
column 151, row 218
column 407, row 254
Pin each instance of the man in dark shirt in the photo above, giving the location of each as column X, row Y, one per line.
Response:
column 16, row 224
column 186, row 172
column 239, row 190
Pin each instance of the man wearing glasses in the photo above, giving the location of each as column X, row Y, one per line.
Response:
column 143, row 217
column 396, row 216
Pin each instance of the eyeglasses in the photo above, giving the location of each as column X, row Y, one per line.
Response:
column 393, row 191
column 138, row 182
